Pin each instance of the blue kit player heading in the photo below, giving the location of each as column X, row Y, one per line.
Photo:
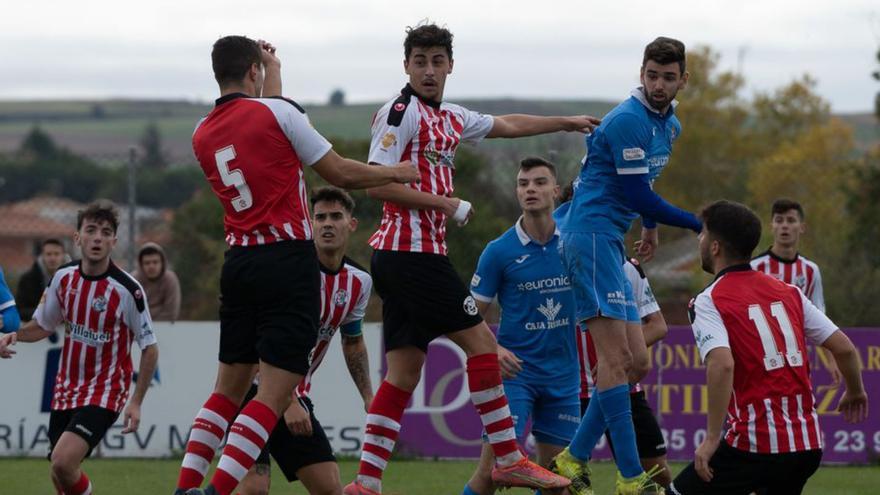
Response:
column 627, row 152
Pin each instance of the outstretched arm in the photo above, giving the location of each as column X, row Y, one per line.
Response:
column 644, row 201
column 352, row 174
column 521, row 125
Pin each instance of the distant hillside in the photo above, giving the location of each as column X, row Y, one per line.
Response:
column 110, row 127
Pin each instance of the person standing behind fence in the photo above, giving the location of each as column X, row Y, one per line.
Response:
column 34, row 281
column 160, row 283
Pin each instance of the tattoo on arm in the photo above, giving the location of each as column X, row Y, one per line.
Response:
column 358, row 363
column 262, row 469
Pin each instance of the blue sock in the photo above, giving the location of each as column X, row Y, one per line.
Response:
column 467, row 490
column 589, row 432
column 616, row 407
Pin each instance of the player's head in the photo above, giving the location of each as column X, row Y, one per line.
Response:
column 52, row 254
column 664, row 71
column 238, row 64
column 96, row 230
column 151, row 260
column 333, row 218
column 731, row 231
column 536, row 186
column 787, row 222
column 427, row 52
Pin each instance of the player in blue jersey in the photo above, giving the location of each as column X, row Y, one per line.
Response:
column 9, row 317
column 536, row 340
column 626, row 154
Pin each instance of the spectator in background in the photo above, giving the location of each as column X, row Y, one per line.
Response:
column 34, row 281
column 160, row 283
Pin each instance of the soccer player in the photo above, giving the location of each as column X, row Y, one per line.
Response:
column 752, row 332
column 298, row 443
column 104, row 310
column 783, row 261
column 649, row 439
column 10, row 320
column 536, row 340
column 627, row 152
column 252, row 151
column 422, row 295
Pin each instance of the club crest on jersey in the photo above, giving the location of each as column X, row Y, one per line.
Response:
column 800, row 281
column 389, row 139
column 340, row 297
column 99, row 304
column 470, row 306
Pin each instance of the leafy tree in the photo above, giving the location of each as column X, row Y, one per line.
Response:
column 337, row 98
column 154, row 156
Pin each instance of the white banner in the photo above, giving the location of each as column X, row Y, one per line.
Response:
column 184, row 380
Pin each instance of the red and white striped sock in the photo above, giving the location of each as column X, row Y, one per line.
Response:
column 205, row 436
column 487, row 394
column 383, row 426
column 247, row 437
column 81, row 487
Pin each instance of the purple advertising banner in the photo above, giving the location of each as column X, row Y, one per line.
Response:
column 441, row 422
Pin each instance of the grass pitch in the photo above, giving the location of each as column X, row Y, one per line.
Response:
column 404, row 477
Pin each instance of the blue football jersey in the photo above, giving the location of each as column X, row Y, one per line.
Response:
column 537, row 303
column 6, row 300
column 632, row 139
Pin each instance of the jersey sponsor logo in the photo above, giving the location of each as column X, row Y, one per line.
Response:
column 550, row 309
column 633, row 154
column 340, row 297
column 470, row 306
column 86, row 335
column 99, row 304
column 551, row 284
column 702, row 339
column 475, row 280
column 389, row 139
column 522, row 258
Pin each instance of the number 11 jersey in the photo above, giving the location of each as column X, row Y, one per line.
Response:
column 766, row 324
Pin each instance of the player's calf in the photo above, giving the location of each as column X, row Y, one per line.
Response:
column 256, row 481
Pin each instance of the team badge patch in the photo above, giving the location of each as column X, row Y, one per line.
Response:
column 475, row 280
column 632, row 154
column 100, row 304
column 340, row 297
column 389, row 139
column 399, row 107
column 470, row 306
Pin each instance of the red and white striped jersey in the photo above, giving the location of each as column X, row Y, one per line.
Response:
column 252, row 151
column 102, row 316
column 647, row 305
column 427, row 133
column 344, row 298
column 799, row 272
column 765, row 323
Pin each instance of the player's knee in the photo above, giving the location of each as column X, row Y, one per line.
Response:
column 63, row 467
column 640, row 368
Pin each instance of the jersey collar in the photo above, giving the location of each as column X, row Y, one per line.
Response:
column 524, row 237
column 780, row 259
column 110, row 268
column 744, row 267
column 227, row 98
column 409, row 91
column 639, row 94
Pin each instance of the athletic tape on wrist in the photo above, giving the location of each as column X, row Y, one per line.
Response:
column 461, row 213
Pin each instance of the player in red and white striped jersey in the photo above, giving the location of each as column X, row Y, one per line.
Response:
column 422, row 295
column 298, row 443
column 752, row 332
column 104, row 310
column 252, row 151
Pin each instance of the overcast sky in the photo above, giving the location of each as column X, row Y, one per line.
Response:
column 530, row 49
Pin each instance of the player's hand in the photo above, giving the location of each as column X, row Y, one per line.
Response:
column 646, row 247
column 854, row 406
column 702, row 456
column 267, row 54
column 405, row 172
column 6, row 342
column 459, row 210
column 131, row 417
column 510, row 364
column 298, row 420
column 582, row 123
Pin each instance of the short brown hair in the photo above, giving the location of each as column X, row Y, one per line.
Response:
column 332, row 194
column 735, row 226
column 783, row 205
column 99, row 211
column 664, row 51
column 534, row 162
column 232, row 57
column 426, row 36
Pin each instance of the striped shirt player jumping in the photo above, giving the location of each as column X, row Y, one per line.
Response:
column 423, row 296
column 252, row 151
column 104, row 311
column 752, row 332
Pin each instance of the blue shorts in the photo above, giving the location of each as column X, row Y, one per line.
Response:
column 595, row 264
column 554, row 411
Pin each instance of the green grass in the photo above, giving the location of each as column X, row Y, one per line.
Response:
column 151, row 477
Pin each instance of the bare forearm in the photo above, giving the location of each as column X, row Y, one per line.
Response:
column 358, row 362
column 408, row 197
column 521, row 125
column 654, row 327
column 149, row 358
column 719, row 378
column 272, row 81
column 32, row 332
column 848, row 363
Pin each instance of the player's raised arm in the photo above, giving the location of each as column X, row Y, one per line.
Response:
column 521, row 125
column 352, row 174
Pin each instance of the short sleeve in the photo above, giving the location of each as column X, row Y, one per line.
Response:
column 309, row 144
column 708, row 327
column 817, row 326
column 476, row 126
column 360, row 308
column 137, row 317
column 49, row 313
column 487, row 279
column 393, row 129
column 628, row 137
column 817, row 295
column 645, row 300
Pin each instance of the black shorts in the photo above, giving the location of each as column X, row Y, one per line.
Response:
column 270, row 297
column 89, row 422
column 649, row 438
column 294, row 452
column 737, row 472
column 422, row 298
